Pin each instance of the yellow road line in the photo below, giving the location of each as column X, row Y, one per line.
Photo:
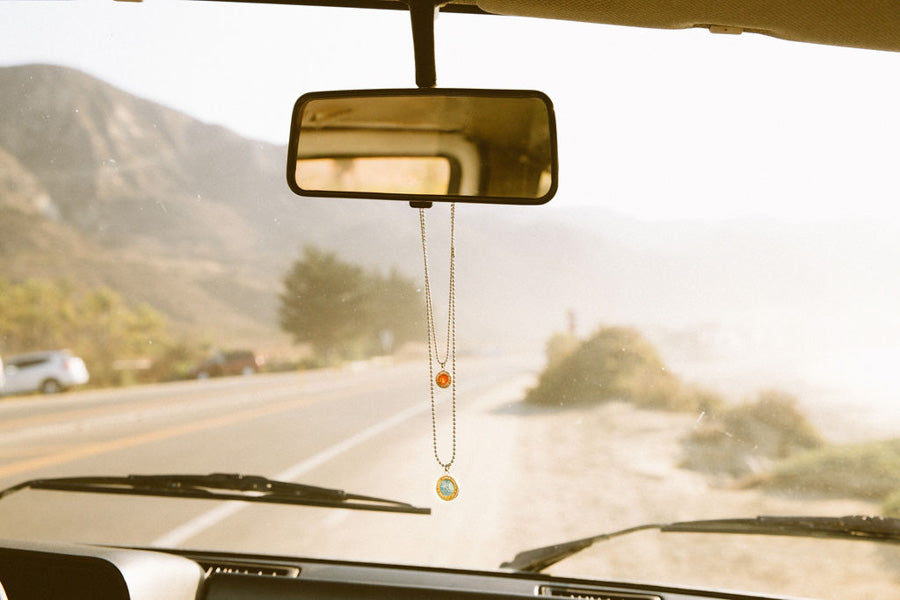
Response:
column 29, row 451
column 63, row 416
column 60, row 417
column 107, row 408
column 89, row 450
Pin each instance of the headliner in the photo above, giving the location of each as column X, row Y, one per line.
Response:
column 873, row 24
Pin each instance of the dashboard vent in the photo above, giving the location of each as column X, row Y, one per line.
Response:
column 224, row 567
column 591, row 594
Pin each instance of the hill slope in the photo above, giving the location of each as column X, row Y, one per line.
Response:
column 124, row 192
column 103, row 187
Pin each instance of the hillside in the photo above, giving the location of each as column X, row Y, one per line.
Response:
column 112, row 189
column 103, row 187
column 120, row 191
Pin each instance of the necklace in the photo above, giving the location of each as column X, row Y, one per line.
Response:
column 447, row 488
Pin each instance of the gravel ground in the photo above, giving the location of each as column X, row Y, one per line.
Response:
column 532, row 477
column 592, row 470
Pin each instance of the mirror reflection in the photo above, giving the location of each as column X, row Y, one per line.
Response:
column 383, row 175
column 470, row 145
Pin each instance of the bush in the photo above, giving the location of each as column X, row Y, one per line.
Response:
column 775, row 418
column 750, row 437
column 870, row 471
column 891, row 505
column 97, row 324
column 615, row 364
column 559, row 347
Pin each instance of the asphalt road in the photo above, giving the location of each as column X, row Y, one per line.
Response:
column 529, row 476
column 365, row 429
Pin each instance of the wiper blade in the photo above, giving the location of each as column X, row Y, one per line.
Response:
column 220, row 486
column 853, row 527
column 873, row 529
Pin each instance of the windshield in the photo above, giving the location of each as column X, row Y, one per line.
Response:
column 702, row 324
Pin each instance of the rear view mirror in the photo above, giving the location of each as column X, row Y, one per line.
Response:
column 424, row 145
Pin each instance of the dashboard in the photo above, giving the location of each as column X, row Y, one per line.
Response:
column 34, row 570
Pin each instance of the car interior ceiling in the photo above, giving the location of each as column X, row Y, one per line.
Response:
column 872, row 25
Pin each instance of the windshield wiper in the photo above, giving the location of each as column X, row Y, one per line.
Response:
column 873, row 529
column 219, row 486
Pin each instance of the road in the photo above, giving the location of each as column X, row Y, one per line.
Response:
column 529, row 476
column 365, row 429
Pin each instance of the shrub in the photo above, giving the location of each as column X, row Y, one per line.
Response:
column 750, row 437
column 870, row 470
column 617, row 363
column 559, row 347
column 891, row 505
column 773, row 418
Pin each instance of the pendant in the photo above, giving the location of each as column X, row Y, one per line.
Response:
column 443, row 379
column 447, row 488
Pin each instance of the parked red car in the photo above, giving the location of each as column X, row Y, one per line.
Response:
column 235, row 362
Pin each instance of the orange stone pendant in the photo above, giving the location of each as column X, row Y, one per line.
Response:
column 443, row 379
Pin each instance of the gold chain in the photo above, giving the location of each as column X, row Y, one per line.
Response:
column 431, row 336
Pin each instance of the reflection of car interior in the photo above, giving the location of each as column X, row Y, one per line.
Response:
column 498, row 143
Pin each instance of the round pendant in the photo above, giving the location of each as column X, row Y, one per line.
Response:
column 443, row 379
column 447, row 488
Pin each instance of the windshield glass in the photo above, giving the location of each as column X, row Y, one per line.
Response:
column 702, row 324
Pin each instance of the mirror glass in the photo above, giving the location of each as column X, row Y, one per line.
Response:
column 494, row 146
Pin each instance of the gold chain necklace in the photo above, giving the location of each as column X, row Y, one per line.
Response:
column 447, row 488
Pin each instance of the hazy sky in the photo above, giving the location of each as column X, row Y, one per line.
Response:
column 655, row 124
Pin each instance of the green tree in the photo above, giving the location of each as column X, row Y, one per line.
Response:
column 96, row 324
column 35, row 314
column 343, row 311
column 108, row 330
column 323, row 303
column 397, row 311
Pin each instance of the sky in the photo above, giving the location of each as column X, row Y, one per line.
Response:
column 652, row 124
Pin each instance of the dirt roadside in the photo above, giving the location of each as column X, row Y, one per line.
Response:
column 589, row 470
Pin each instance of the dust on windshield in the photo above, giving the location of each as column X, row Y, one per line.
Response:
column 701, row 324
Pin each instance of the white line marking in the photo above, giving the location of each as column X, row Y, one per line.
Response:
column 197, row 525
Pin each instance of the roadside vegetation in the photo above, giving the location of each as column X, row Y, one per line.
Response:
column 766, row 442
column 345, row 312
column 868, row 471
column 890, row 507
column 750, row 437
column 337, row 309
column 616, row 363
column 120, row 343
column 769, row 443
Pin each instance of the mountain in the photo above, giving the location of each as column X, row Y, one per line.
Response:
column 199, row 222
column 105, row 188
column 126, row 171
column 124, row 192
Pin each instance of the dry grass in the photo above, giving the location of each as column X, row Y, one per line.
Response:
column 617, row 363
column 870, row 471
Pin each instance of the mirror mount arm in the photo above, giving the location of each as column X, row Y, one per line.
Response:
column 423, row 14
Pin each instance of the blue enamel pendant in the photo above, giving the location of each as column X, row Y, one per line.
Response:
column 447, row 488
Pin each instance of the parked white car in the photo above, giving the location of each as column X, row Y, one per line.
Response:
column 46, row 372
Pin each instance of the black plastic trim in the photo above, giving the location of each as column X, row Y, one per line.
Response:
column 586, row 585
column 417, row 199
column 370, row 4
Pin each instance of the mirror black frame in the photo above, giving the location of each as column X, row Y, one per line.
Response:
column 421, row 199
